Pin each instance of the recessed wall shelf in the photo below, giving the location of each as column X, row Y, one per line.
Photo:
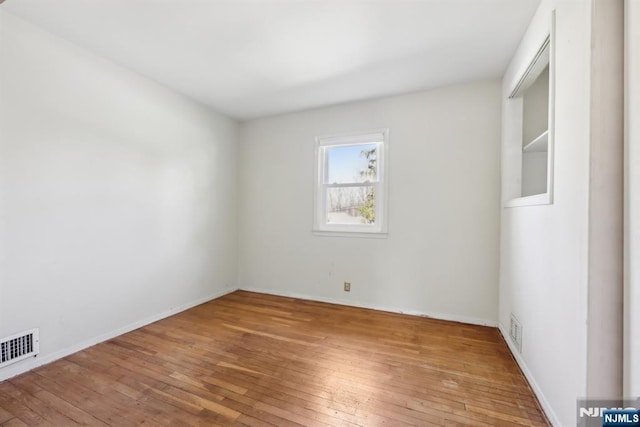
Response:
column 538, row 145
column 529, row 129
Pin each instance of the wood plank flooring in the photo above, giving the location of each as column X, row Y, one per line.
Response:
column 259, row 360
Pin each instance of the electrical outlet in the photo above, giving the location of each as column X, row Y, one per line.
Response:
column 347, row 286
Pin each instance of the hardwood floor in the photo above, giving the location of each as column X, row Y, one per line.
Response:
column 256, row 360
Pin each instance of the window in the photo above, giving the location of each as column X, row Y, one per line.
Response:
column 351, row 188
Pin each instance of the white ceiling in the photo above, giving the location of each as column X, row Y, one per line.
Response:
column 252, row 58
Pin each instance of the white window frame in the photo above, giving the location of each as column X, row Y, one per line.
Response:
column 320, row 226
column 512, row 194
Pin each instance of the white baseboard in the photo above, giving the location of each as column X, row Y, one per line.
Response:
column 546, row 407
column 433, row 315
column 34, row 362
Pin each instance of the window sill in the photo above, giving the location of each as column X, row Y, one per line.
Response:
column 535, row 200
column 357, row 234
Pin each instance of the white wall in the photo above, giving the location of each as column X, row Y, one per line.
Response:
column 632, row 195
column 441, row 256
column 543, row 264
column 560, row 266
column 606, row 170
column 117, row 196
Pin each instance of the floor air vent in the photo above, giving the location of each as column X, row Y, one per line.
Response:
column 19, row 346
column 515, row 332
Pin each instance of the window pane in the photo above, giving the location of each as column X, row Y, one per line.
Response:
column 351, row 205
column 352, row 163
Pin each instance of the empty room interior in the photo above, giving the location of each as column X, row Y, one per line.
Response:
column 310, row 213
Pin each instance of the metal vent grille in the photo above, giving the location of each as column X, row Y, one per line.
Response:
column 515, row 332
column 19, row 346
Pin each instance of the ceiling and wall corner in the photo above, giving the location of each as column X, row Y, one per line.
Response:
column 249, row 58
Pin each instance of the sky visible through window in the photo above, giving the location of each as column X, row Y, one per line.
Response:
column 346, row 163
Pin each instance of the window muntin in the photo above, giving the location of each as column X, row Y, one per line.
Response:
column 351, row 185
